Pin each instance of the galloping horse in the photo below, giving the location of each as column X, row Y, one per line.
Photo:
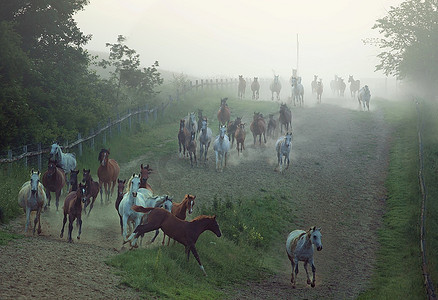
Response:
column 319, row 90
column 283, row 147
column 191, row 148
column 341, row 86
column 241, row 87
column 221, row 147
column 144, row 176
column 272, row 125
column 334, row 85
column 364, row 96
column 240, row 138
column 73, row 208
column 67, row 161
column 258, row 127
column 91, row 187
column 354, row 86
column 184, row 232
column 297, row 91
column 183, row 133
column 285, row 118
column 191, row 123
column 32, row 197
column 275, row 87
column 314, row 84
column 53, row 181
column 120, row 193
column 200, row 118
column 231, row 128
column 108, row 172
column 73, row 180
column 255, row 88
column 204, row 140
column 223, row 115
column 299, row 247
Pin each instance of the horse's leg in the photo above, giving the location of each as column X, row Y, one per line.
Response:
column 91, row 206
column 70, row 227
column 124, row 227
column 101, row 191
column 155, row 236
column 107, row 191
column 295, row 264
column 49, row 197
column 80, row 227
column 63, row 225
column 292, row 278
column 196, row 255
column 113, row 185
column 27, row 218
column 307, row 273
column 58, row 194
column 217, row 159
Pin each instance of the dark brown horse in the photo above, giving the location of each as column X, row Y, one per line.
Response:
column 272, row 125
column 73, row 180
column 144, row 176
column 223, row 115
column 73, row 209
column 258, row 127
column 108, row 172
column 191, row 148
column 285, row 118
column 231, row 128
column 240, row 138
column 92, row 188
column 120, row 193
column 53, row 181
column 183, row 134
column 184, row 232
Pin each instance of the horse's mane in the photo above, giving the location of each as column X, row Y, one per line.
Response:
column 202, row 217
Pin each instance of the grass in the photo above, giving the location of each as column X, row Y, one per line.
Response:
column 5, row 237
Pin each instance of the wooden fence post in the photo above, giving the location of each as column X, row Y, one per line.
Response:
column 146, row 114
column 80, row 144
column 119, row 124
column 130, row 119
column 92, row 139
column 155, row 114
column 25, row 158
column 10, row 164
column 109, row 127
column 40, row 157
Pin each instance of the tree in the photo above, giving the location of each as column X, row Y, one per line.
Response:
column 409, row 43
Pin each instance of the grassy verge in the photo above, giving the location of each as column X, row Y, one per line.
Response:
column 398, row 271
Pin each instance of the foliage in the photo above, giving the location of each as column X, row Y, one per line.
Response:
column 5, row 237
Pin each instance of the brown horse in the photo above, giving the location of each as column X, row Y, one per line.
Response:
column 120, row 193
column 258, row 127
column 231, row 128
column 92, row 188
column 183, row 134
column 144, row 176
column 240, row 137
column 184, row 232
column 73, row 180
column 73, row 209
column 223, row 115
column 108, row 172
column 285, row 118
column 191, row 148
column 53, row 181
column 272, row 125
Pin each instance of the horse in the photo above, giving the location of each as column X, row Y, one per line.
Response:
column 354, row 86
column 285, row 118
column 275, row 87
column 364, row 96
column 283, row 147
column 272, row 125
column 191, row 148
column 67, row 161
column 299, row 247
column 255, row 88
column 191, row 123
column 73, row 180
column 120, row 193
column 319, row 90
column 231, row 128
column 341, row 86
column 32, row 197
column 240, row 138
column 200, row 118
column 334, row 85
column 184, row 232
column 73, row 209
column 91, row 187
column 223, row 115
column 241, row 87
column 53, row 181
column 314, row 84
column 221, row 147
column 107, row 172
column 183, row 133
column 297, row 91
column 258, row 127
column 204, row 140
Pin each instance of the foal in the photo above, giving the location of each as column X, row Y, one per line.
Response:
column 91, row 187
column 120, row 193
column 73, row 208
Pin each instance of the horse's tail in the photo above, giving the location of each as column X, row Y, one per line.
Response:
column 142, row 209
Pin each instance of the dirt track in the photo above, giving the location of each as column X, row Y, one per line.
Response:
column 338, row 167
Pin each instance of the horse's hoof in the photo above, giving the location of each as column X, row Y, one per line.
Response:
column 61, row 235
column 313, row 284
column 70, row 241
column 308, row 281
column 79, row 237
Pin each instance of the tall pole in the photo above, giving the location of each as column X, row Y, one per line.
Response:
column 298, row 52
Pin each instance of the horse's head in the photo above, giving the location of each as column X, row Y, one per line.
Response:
column 55, row 151
column 120, row 187
column 190, row 200
column 256, row 79
column 224, row 102
column 204, row 126
column 192, row 136
column 314, row 234
column 288, row 139
column 34, row 180
column 222, row 131
column 241, row 126
column 74, row 177
column 51, row 168
column 144, row 173
column 85, row 175
column 81, row 193
column 214, row 226
column 182, row 124
column 135, row 185
column 103, row 157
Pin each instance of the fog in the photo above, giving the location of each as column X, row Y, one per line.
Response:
column 226, row 38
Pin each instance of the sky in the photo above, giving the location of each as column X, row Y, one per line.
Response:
column 253, row 38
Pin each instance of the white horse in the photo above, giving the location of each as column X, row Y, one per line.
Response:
column 221, row 147
column 283, row 147
column 297, row 91
column 67, row 161
column 364, row 95
column 299, row 247
column 275, row 87
column 191, row 123
column 204, row 139
column 32, row 197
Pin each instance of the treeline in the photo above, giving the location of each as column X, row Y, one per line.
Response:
column 47, row 88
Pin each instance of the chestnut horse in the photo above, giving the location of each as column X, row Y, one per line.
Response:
column 144, row 176
column 223, row 115
column 73, row 180
column 186, row 233
column 183, row 134
column 108, row 172
column 258, row 127
column 73, row 209
column 120, row 193
column 285, row 118
column 191, row 148
column 240, row 137
column 92, row 188
column 53, row 181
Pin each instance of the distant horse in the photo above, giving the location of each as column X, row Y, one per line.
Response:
column 67, row 161
column 297, row 91
column 204, row 140
column 258, row 127
column 107, row 172
column 191, row 123
column 223, row 115
column 183, row 133
column 53, row 181
column 120, row 193
column 231, row 128
column 91, row 187
column 73, row 180
column 184, row 232
column 334, row 85
column 191, row 148
column 241, row 87
column 319, row 90
column 32, row 197
column 255, row 88
column 221, row 147
column 272, row 125
column 314, row 84
column 299, row 247
column 73, row 209
column 240, row 138
column 275, row 87
column 364, row 96
column 341, row 86
column 283, row 147
column 285, row 118
column 200, row 118
column 354, row 86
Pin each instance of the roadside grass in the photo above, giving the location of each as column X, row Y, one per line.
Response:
column 398, row 270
